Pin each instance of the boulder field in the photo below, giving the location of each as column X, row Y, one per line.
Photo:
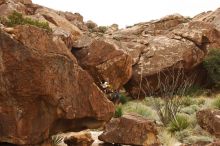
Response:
column 50, row 82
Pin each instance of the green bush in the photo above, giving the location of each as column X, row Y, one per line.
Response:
column 180, row 123
column 102, row 29
column 17, row 19
column 141, row 109
column 194, row 90
column 118, row 112
column 216, row 103
column 212, row 65
column 123, row 98
column 187, row 101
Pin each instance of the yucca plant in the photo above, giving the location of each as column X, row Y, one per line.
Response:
column 178, row 124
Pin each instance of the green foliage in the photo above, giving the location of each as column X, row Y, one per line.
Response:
column 187, row 101
column 190, row 109
column 212, row 65
column 194, row 90
column 216, row 103
column 123, row 98
column 102, row 29
column 118, row 112
column 198, row 138
column 56, row 140
column 17, row 19
column 178, row 124
column 141, row 109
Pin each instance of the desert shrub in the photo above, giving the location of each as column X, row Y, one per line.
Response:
column 102, row 29
column 123, row 98
column 212, row 65
column 201, row 101
column 216, row 103
column 56, row 140
column 172, row 84
column 190, row 109
column 194, row 90
column 178, row 124
column 187, row 101
column 198, row 138
column 118, row 112
column 141, row 109
column 17, row 19
column 166, row 138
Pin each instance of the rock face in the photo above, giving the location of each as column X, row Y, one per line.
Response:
column 43, row 89
column 105, row 61
column 130, row 130
column 182, row 48
column 212, row 17
column 209, row 120
column 61, row 26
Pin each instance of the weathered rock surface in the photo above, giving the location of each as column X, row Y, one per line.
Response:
column 76, row 19
column 105, row 61
column 61, row 26
column 131, row 130
column 43, row 89
column 152, row 28
column 8, row 6
column 212, row 17
column 209, row 119
column 183, row 48
column 83, row 138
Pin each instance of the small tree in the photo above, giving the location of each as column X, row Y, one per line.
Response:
column 172, row 84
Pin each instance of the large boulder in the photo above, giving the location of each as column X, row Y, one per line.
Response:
column 130, row 130
column 209, row 119
column 43, row 89
column 152, row 28
column 60, row 25
column 76, row 19
column 163, row 56
column 105, row 61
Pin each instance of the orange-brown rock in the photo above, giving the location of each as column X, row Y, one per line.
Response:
column 105, row 61
column 43, row 89
column 26, row 2
column 83, row 138
column 152, row 28
column 130, row 130
column 2, row 2
column 60, row 25
column 209, row 119
column 183, row 48
column 8, row 6
column 76, row 19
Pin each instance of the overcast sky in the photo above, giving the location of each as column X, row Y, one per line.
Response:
column 128, row 12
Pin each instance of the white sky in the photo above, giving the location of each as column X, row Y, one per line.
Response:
column 129, row 12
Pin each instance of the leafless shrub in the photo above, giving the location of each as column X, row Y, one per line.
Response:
column 171, row 86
